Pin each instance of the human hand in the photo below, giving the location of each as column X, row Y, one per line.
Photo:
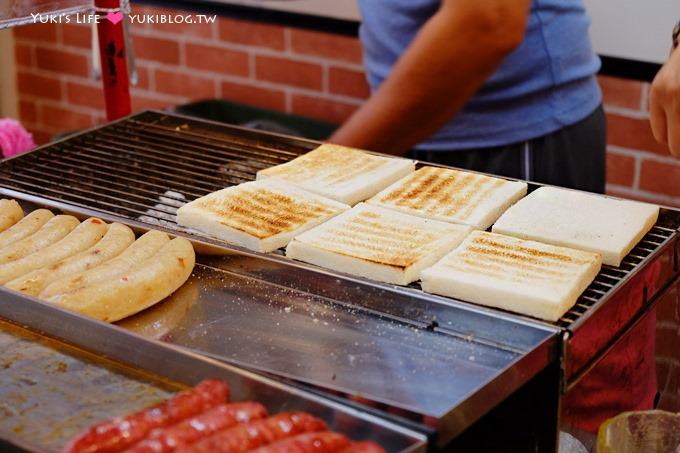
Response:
column 664, row 104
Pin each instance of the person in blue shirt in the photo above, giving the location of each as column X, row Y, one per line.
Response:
column 501, row 86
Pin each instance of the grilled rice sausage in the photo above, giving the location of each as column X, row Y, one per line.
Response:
column 10, row 213
column 117, row 238
column 52, row 231
column 199, row 426
column 323, row 442
column 251, row 435
column 122, row 432
column 25, row 227
column 141, row 249
column 81, row 237
column 141, row 286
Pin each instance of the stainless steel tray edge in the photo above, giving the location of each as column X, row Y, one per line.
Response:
column 179, row 364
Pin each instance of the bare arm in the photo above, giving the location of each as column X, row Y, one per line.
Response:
column 452, row 56
column 664, row 104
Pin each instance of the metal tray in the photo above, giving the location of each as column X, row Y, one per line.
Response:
column 76, row 371
column 435, row 363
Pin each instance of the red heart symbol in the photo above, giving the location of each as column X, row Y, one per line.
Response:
column 115, row 17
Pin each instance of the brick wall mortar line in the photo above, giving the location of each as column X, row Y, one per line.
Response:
column 325, row 79
column 163, row 97
column 667, row 324
column 182, row 53
column 32, row 56
column 29, row 125
column 260, row 83
column 644, row 99
column 646, row 155
column 60, row 35
column 264, row 51
column 668, row 361
column 25, row 69
column 312, row 59
column 251, row 66
column 62, row 88
column 288, row 100
column 629, row 113
column 662, row 200
column 85, row 52
column 287, row 39
column 637, row 172
column 215, row 31
column 329, row 96
column 81, row 109
column 60, row 76
column 152, row 78
column 92, row 110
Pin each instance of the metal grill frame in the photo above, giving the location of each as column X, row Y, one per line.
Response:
column 205, row 144
column 187, row 164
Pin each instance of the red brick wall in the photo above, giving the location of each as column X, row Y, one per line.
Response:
column 638, row 167
column 285, row 69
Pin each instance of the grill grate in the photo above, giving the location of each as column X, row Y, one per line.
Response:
column 609, row 277
column 146, row 166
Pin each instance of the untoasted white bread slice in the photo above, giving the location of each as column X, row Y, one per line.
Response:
column 258, row 215
column 377, row 243
column 580, row 220
column 452, row 196
column 531, row 278
column 343, row 174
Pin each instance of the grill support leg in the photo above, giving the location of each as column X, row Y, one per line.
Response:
column 527, row 421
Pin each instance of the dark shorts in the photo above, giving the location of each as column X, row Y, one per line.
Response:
column 573, row 157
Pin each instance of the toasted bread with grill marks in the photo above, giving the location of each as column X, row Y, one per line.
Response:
column 377, row 243
column 531, row 278
column 259, row 215
column 580, row 220
column 343, row 174
column 451, row 196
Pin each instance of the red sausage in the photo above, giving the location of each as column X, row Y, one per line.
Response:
column 255, row 434
column 199, row 426
column 364, row 447
column 324, row 442
column 121, row 432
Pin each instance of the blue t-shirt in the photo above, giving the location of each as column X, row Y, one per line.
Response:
column 545, row 84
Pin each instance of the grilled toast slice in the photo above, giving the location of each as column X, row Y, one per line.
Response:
column 258, row 215
column 531, row 278
column 376, row 243
column 451, row 196
column 343, row 174
column 580, row 220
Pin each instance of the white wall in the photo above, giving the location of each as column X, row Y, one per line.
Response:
column 338, row 9
column 632, row 29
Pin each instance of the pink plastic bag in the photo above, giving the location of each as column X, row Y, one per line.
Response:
column 14, row 139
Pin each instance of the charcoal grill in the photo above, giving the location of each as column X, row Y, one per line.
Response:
column 138, row 170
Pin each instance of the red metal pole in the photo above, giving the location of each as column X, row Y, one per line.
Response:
column 112, row 51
